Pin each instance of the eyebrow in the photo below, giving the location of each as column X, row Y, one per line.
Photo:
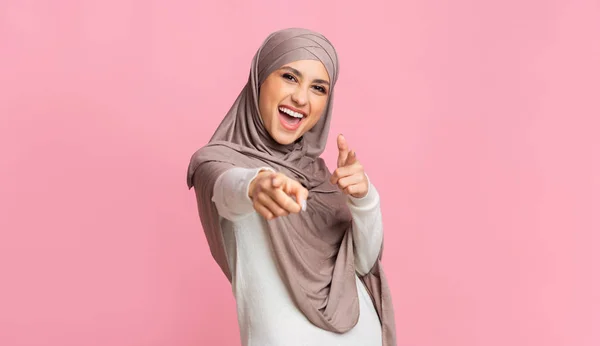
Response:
column 291, row 69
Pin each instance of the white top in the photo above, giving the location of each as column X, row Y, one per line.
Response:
column 267, row 315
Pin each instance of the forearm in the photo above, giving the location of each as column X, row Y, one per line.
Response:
column 231, row 192
column 367, row 229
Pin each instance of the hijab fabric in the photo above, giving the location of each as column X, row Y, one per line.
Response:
column 313, row 250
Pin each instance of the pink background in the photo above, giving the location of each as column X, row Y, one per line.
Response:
column 477, row 121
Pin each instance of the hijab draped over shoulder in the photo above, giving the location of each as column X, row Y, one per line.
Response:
column 315, row 253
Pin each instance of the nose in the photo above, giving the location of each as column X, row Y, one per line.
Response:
column 300, row 96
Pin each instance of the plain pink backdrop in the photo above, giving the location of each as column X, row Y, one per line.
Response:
column 477, row 121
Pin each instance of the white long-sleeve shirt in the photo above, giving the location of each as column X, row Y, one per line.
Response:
column 267, row 315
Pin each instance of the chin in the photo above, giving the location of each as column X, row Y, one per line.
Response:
column 285, row 139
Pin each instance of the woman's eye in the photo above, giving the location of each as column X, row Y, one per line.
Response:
column 289, row 77
column 320, row 89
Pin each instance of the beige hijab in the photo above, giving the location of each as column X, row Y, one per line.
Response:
column 313, row 250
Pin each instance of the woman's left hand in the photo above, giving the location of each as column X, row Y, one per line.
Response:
column 350, row 175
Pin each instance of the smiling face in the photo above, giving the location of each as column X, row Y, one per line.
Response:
column 293, row 98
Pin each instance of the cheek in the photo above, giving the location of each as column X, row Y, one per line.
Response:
column 264, row 101
column 318, row 107
column 268, row 97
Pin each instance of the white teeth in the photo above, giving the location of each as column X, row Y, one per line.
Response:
column 291, row 112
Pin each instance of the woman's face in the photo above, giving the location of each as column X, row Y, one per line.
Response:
column 293, row 98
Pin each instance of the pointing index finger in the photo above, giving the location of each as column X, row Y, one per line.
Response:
column 343, row 150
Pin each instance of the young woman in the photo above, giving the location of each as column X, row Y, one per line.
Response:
column 301, row 246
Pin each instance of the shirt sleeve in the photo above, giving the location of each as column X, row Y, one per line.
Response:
column 230, row 193
column 367, row 229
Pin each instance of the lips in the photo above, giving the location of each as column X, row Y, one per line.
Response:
column 291, row 111
column 290, row 118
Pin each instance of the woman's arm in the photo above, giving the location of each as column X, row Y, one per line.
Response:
column 363, row 201
column 367, row 229
column 231, row 192
column 240, row 191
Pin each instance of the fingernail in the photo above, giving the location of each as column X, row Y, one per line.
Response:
column 303, row 203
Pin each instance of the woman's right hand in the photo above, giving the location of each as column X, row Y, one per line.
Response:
column 272, row 193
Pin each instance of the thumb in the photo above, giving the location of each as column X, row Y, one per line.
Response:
column 301, row 195
column 298, row 192
column 277, row 181
column 343, row 150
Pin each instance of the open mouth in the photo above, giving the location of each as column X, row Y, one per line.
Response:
column 290, row 119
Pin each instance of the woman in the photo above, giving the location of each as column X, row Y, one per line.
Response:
column 300, row 246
